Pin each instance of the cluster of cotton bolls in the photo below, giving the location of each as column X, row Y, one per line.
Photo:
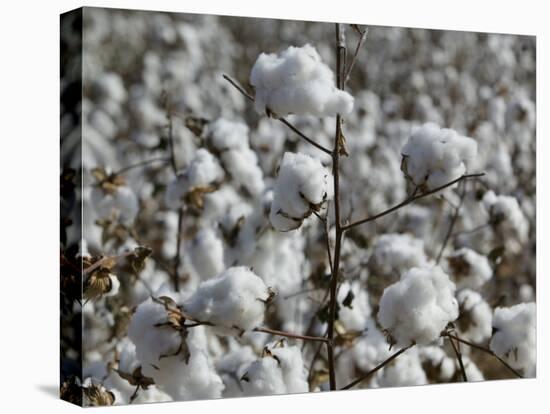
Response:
column 238, row 211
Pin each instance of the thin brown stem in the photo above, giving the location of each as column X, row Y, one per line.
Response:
column 459, row 358
column 470, row 231
column 142, row 164
column 410, row 200
column 452, row 223
column 282, row 120
column 377, row 368
column 291, row 335
column 483, row 349
column 362, row 38
column 340, row 64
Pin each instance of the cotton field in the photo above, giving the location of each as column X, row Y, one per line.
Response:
column 273, row 207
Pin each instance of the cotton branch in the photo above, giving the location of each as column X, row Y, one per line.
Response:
column 452, row 224
column 283, row 120
column 459, row 358
column 291, row 335
column 483, row 349
column 410, row 200
column 377, row 368
column 105, row 260
column 338, row 142
column 362, row 38
column 142, row 164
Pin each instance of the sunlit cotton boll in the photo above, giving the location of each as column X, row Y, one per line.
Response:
column 418, row 307
column 296, row 81
column 514, row 338
column 232, row 301
column 435, row 156
column 302, row 185
column 279, row 371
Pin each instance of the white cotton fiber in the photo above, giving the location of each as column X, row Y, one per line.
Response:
column 435, row 156
column 469, row 268
column 507, row 219
column 296, row 81
column 280, row 371
column 233, row 299
column 302, row 185
column 475, row 316
column 515, row 337
column 181, row 379
column 207, row 253
column 397, row 253
column 419, row 306
column 230, row 140
column 121, row 204
column 203, row 171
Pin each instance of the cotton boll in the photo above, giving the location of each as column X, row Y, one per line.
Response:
column 439, row 367
column 233, row 299
column 120, row 203
column 397, row 253
column 434, row 156
column 279, row 371
column 207, row 253
column 472, row 371
column 230, row 140
column 302, row 185
column 419, row 306
column 371, row 348
column 109, row 87
column 243, row 167
column 224, row 135
column 405, row 371
column 469, row 268
column 151, row 341
column 475, row 316
column 202, row 173
column 355, row 315
column 507, row 219
column 156, row 349
column 297, row 82
column 231, row 368
column 514, row 338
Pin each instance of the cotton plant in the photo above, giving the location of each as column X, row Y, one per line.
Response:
column 303, row 185
column 232, row 301
column 200, row 177
column 296, row 81
column 169, row 354
column 280, row 370
column 419, row 307
column 225, row 199
column 434, row 156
